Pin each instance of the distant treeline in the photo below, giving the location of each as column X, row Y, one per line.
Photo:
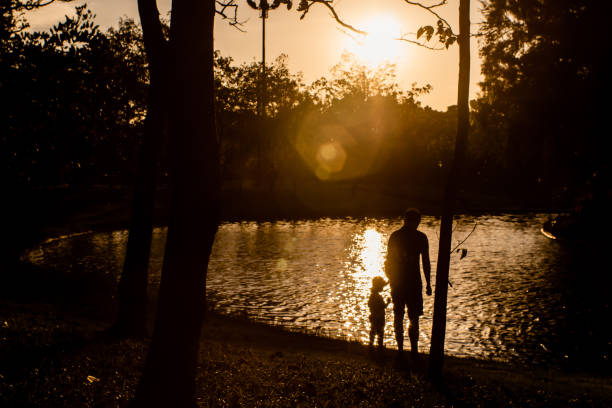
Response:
column 74, row 101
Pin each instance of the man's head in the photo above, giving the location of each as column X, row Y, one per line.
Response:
column 412, row 218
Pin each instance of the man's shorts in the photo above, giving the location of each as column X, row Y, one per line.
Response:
column 411, row 299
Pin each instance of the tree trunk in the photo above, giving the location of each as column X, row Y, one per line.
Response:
column 436, row 353
column 169, row 374
column 132, row 317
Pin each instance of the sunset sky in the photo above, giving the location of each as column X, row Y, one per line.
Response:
column 315, row 44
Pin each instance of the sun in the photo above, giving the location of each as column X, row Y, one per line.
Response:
column 381, row 43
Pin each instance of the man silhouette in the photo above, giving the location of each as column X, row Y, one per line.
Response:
column 402, row 267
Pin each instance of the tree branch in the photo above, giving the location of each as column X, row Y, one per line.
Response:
column 17, row 8
column 28, row 5
column 305, row 7
column 419, row 44
column 465, row 239
column 152, row 34
column 233, row 20
column 431, row 10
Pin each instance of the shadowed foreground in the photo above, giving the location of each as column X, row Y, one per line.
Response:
column 54, row 354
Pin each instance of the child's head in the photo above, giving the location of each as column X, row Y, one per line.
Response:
column 378, row 284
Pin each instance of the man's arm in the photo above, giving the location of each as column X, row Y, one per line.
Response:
column 390, row 261
column 426, row 266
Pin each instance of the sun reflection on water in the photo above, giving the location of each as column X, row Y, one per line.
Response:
column 373, row 253
column 366, row 257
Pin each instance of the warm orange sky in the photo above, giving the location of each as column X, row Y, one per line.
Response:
column 315, row 44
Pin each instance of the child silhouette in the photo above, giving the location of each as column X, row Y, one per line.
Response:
column 377, row 307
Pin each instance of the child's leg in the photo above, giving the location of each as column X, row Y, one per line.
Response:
column 372, row 334
column 380, row 332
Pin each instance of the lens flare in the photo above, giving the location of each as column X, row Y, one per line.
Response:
column 330, row 159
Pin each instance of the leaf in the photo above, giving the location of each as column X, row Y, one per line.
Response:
column 429, row 32
column 420, row 32
column 91, row 379
column 303, row 5
column 463, row 253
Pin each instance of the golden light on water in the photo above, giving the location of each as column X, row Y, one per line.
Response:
column 366, row 260
column 380, row 44
column 317, row 275
column 372, row 249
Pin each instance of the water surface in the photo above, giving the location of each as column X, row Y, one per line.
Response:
column 513, row 297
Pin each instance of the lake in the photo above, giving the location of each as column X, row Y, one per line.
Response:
column 516, row 296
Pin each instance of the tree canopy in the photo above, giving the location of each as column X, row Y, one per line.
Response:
column 75, row 100
column 544, row 85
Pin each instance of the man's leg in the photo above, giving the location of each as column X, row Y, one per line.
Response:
column 413, row 333
column 398, row 323
column 415, row 309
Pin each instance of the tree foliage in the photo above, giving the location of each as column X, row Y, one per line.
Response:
column 237, row 86
column 88, row 102
column 545, row 77
column 74, row 102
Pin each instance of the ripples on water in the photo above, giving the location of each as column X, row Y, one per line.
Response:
column 507, row 299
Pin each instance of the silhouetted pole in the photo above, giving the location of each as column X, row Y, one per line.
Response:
column 436, row 352
column 264, row 7
column 264, row 86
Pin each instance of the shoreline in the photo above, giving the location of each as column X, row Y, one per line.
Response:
column 57, row 355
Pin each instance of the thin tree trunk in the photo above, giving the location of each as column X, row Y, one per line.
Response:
column 436, row 353
column 131, row 319
column 169, row 374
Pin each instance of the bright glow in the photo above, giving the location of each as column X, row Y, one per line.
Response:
column 328, row 152
column 366, row 260
column 372, row 253
column 330, row 159
column 380, row 45
column 369, row 250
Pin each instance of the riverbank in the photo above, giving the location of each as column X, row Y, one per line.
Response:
column 55, row 352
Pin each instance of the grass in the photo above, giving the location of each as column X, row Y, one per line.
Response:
column 54, row 353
